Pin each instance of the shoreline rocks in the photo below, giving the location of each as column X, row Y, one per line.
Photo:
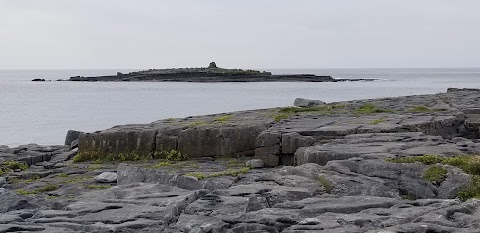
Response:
column 381, row 165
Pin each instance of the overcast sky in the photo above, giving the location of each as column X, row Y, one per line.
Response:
column 61, row 34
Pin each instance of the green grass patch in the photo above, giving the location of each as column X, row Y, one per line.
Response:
column 96, row 186
column 232, row 172
column 325, row 183
column 281, row 116
column 423, row 109
column 170, row 155
column 62, row 175
column 223, row 119
column 470, row 164
column 377, row 121
column 472, row 190
column 425, row 159
column 235, row 163
column 29, row 180
column 10, row 165
column 435, row 175
column 47, row 188
column 94, row 167
column 86, row 156
column 177, row 165
column 369, row 108
column 162, row 164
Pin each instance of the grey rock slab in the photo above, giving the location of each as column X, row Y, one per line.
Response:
column 128, row 174
column 8, row 218
column 216, row 206
column 379, row 145
column 312, row 207
column 301, row 102
column 10, row 201
column 203, row 223
column 106, row 177
column 255, row 163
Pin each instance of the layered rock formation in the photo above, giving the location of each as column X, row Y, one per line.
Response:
column 403, row 164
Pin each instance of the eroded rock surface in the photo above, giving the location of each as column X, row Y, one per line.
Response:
column 331, row 168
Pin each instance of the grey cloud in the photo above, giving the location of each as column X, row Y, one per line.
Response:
column 248, row 33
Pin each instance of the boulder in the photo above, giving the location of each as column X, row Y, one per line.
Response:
column 72, row 135
column 107, row 177
column 300, row 102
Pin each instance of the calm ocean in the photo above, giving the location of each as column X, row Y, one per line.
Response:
column 42, row 112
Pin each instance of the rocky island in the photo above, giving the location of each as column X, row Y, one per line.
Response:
column 212, row 73
column 404, row 164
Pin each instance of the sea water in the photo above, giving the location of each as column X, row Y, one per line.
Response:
column 42, row 112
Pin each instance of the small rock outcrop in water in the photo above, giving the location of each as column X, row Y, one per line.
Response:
column 404, row 164
column 212, row 73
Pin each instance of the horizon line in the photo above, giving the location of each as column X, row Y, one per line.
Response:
column 34, row 69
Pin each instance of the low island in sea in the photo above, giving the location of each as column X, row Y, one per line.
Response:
column 212, row 73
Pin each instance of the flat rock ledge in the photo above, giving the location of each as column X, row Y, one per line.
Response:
column 329, row 167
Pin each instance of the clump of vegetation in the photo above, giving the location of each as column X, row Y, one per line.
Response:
column 223, row 119
column 47, row 188
column 62, row 175
column 94, row 167
column 95, row 186
column 435, row 175
column 32, row 179
column 128, row 156
column 86, row 156
column 472, row 190
column 425, row 159
column 325, row 183
column 470, row 164
column 287, row 112
column 10, row 165
column 232, row 172
column 281, row 116
column 377, row 121
column 421, row 108
column 162, row 164
column 235, row 163
column 29, row 180
column 368, row 108
column 170, row 155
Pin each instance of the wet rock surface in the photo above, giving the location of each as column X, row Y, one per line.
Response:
column 334, row 168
